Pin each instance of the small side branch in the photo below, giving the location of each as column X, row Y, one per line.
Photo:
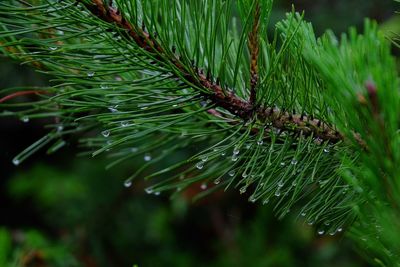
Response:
column 254, row 48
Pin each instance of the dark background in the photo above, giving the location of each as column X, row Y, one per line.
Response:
column 64, row 210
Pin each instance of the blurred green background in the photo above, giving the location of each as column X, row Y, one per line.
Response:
column 64, row 210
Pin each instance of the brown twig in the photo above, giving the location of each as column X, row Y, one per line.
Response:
column 254, row 43
column 227, row 99
column 21, row 93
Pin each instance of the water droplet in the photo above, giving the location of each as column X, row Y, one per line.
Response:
column 104, row 86
column 149, row 190
column 252, row 199
column 16, row 162
column 231, row 173
column 200, row 165
column 217, row 181
column 53, row 48
column 332, row 233
column 340, row 229
column 326, row 150
column 282, row 164
column 175, row 105
column 321, row 232
column 147, row 157
column 60, row 128
column 157, row 193
column 277, row 192
column 223, row 153
column 303, row 214
column 145, row 107
column 243, row 190
column 244, row 175
column 265, row 201
column 124, row 123
column 310, row 222
column 236, row 151
column 294, row 162
column 25, row 119
column 294, row 183
column 260, row 142
column 203, row 186
column 235, row 157
column 204, row 158
column 327, row 223
column 248, row 146
column 134, row 149
column 127, row 183
column 113, row 109
column 105, row 133
column 90, row 74
column 281, row 183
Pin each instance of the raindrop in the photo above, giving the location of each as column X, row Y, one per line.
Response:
column 244, row 175
column 327, row 223
column 16, row 161
column 294, row 183
column 231, row 173
column 303, row 214
column 310, row 222
column 60, row 128
column 332, row 233
column 147, row 157
column 203, row 186
column 127, row 183
column 326, row 150
column 200, row 165
column 277, row 192
column 204, row 158
column 25, row 119
column 90, row 74
column 157, row 193
column 134, row 149
column 340, row 229
column 281, row 183
column 124, row 123
column 53, row 48
column 282, row 164
column 235, row 157
column 243, row 190
column 145, row 107
column 294, row 162
column 149, row 190
column 217, row 181
column 104, row 86
column 321, row 232
column 260, row 142
column 265, row 201
column 105, row 133
column 175, row 105
column 248, row 146
column 236, row 151
column 223, row 153
column 252, row 199
column 113, row 109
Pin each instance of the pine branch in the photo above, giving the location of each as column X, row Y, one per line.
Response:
column 227, row 99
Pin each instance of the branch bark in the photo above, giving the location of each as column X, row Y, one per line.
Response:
column 254, row 43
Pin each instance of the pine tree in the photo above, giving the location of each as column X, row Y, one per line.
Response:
column 286, row 118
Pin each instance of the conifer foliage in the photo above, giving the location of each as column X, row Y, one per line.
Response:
column 287, row 119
